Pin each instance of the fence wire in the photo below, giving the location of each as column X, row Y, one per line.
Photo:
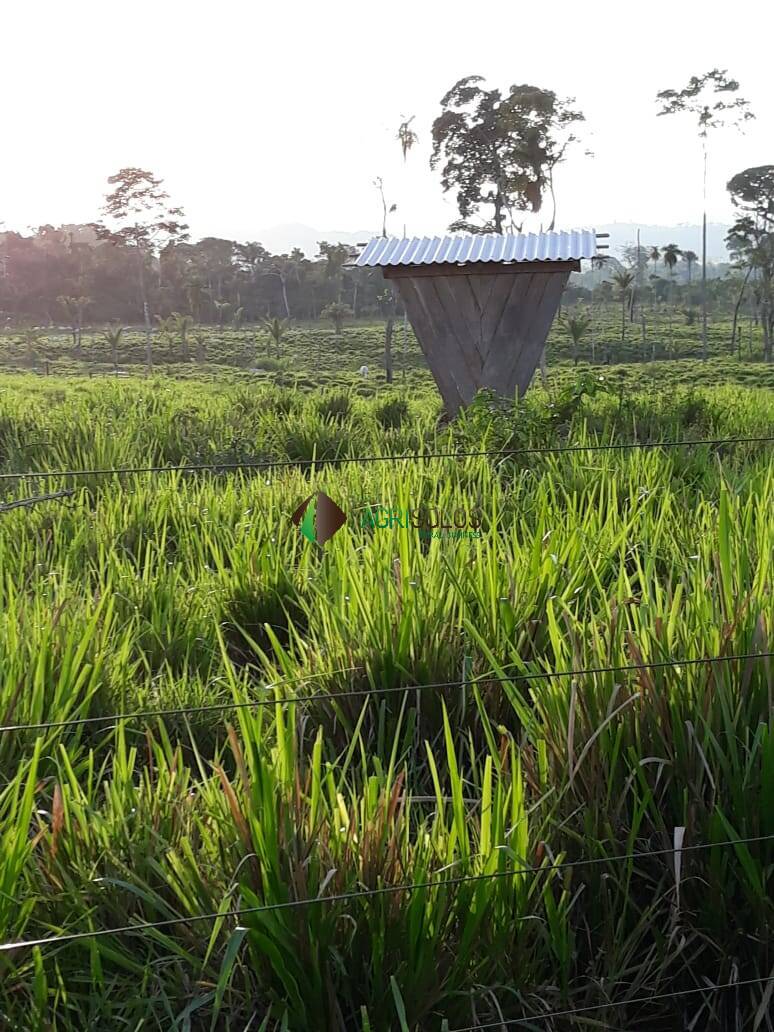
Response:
column 332, row 698
column 550, row 1015
column 501, row 453
column 344, row 897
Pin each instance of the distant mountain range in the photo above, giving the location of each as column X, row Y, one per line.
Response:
column 282, row 238
column 686, row 236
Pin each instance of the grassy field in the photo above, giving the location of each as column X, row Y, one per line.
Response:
column 311, row 355
column 195, row 590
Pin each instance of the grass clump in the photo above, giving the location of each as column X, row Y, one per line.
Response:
column 335, row 406
column 392, row 413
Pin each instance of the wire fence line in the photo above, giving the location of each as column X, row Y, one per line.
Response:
column 230, row 706
column 549, row 1015
column 221, row 707
column 383, row 890
column 410, row 457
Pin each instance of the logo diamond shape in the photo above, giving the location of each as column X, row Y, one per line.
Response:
column 318, row 518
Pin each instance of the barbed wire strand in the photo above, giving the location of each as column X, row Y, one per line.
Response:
column 601, row 1006
column 294, row 904
column 183, row 709
column 360, row 692
column 410, row 457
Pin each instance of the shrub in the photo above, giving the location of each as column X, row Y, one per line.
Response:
column 392, row 413
column 335, row 406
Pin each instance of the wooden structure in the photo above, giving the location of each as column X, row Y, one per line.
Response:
column 481, row 306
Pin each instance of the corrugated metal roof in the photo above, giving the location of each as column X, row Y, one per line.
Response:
column 463, row 248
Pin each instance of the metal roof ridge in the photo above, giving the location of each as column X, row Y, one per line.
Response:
column 462, row 248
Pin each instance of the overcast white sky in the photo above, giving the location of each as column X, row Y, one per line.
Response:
column 256, row 113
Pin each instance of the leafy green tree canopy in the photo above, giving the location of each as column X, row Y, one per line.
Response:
column 140, row 212
column 499, row 153
column 751, row 238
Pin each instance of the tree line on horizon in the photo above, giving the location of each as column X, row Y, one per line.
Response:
column 496, row 152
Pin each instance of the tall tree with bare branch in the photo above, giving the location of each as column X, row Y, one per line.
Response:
column 711, row 99
column 140, row 217
column 499, row 152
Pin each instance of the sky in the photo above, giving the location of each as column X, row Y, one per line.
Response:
column 256, row 114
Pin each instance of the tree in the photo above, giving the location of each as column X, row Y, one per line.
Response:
column 75, row 308
column 193, row 295
column 336, row 256
column 277, row 328
column 379, row 184
column 283, row 267
column 670, row 255
column 598, row 263
column 252, row 263
column 167, row 332
column 655, row 254
column 703, row 98
column 112, row 335
column 407, row 139
column 387, row 303
column 499, row 153
column 181, row 324
column 751, row 239
column 337, row 313
column 623, row 279
column 576, row 326
column 690, row 258
column 406, row 136
column 143, row 220
column 635, row 257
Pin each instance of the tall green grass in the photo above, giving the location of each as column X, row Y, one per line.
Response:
column 185, row 590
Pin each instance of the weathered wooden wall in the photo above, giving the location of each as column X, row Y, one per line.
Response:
column 481, row 329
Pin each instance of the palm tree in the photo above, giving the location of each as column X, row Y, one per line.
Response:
column 654, row 256
column 75, row 307
column 670, row 254
column 276, row 328
column 576, row 326
column 406, row 136
column 689, row 257
column 167, row 330
column 705, row 98
column 112, row 335
column 181, row 324
column 623, row 279
column 597, row 263
column 407, row 139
